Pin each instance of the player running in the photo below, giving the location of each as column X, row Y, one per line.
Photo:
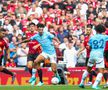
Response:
column 89, row 33
column 4, row 45
column 97, row 45
column 106, row 58
column 48, row 51
column 34, row 51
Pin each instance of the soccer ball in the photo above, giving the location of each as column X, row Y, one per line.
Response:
column 54, row 80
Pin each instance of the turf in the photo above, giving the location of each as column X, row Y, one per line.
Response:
column 46, row 87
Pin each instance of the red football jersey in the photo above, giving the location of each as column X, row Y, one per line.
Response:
column 106, row 47
column 33, row 43
column 86, row 40
column 3, row 44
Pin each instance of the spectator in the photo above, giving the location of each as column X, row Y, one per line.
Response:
column 4, row 9
column 81, row 58
column 70, row 56
column 13, row 49
column 20, row 10
column 16, row 31
column 61, row 34
column 63, row 45
column 1, row 19
column 22, row 53
column 8, row 26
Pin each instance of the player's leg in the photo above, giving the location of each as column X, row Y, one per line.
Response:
column 98, row 78
column 100, row 66
column 6, row 71
column 106, row 69
column 31, row 70
column 40, row 74
column 30, row 60
column 37, row 61
column 29, row 66
column 53, row 61
column 91, row 74
column 86, row 72
column 105, row 75
column 84, row 76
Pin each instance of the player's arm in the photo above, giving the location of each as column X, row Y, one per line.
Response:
column 24, row 41
column 56, row 39
column 51, row 36
column 36, row 46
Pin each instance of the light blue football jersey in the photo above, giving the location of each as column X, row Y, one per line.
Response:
column 46, row 42
column 97, row 44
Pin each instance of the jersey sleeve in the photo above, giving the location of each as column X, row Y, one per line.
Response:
column 34, row 37
column 6, row 44
column 106, row 37
column 50, row 36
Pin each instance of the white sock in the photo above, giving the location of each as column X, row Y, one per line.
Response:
column 34, row 72
column 85, row 74
column 98, row 79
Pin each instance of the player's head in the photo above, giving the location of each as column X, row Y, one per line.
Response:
column 100, row 28
column 40, row 28
column 2, row 32
column 89, row 29
column 32, row 26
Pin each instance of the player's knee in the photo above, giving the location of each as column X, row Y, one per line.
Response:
column 29, row 66
column 36, row 62
column 36, row 65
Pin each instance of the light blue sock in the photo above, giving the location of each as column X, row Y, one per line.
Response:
column 98, row 79
column 85, row 74
column 33, row 72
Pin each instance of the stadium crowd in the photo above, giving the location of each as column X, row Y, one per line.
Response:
column 68, row 20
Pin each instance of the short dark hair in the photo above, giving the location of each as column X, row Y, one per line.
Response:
column 100, row 28
column 32, row 24
column 40, row 25
column 89, row 26
column 106, row 24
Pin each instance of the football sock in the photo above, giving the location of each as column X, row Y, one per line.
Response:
column 40, row 74
column 33, row 72
column 93, row 73
column 30, row 71
column 105, row 75
column 85, row 74
column 98, row 79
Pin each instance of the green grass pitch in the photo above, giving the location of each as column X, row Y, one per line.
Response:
column 47, row 87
